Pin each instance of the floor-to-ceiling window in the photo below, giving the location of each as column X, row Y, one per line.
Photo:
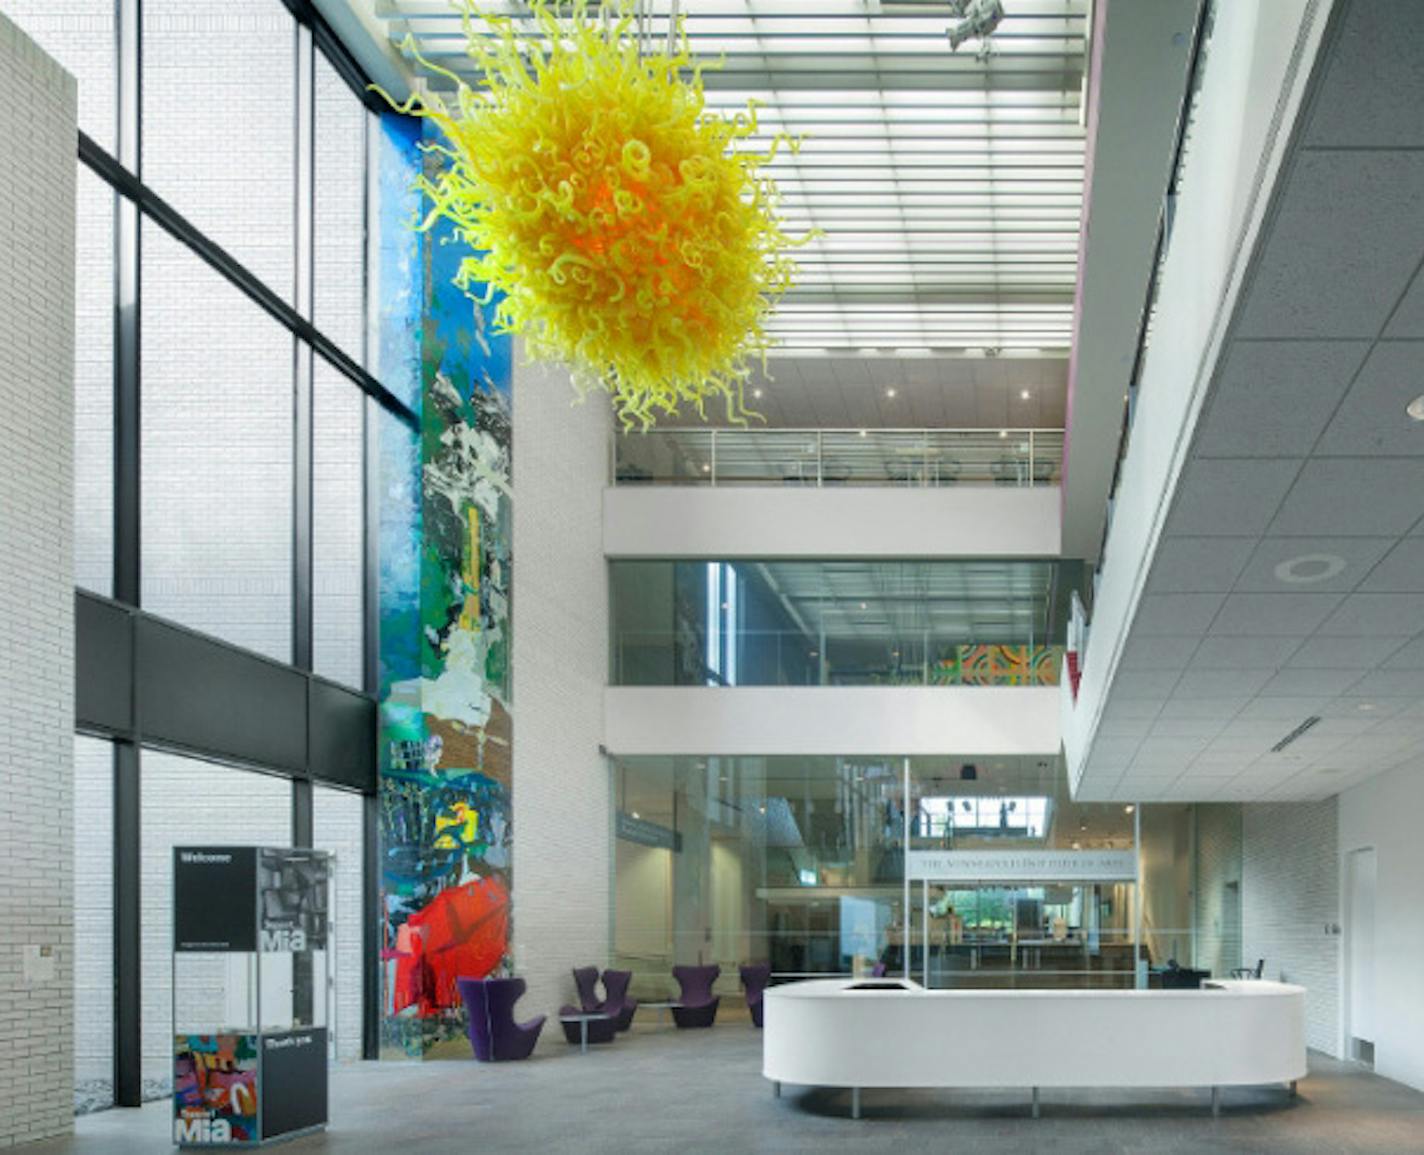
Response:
column 223, row 416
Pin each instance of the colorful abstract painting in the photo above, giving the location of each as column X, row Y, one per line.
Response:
column 998, row 666
column 446, row 728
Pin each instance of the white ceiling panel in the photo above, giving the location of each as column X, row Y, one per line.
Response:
column 1275, row 397
column 1199, row 564
column 1374, row 88
column 1164, row 614
column 1292, row 683
column 1402, row 571
column 1369, row 423
column 1409, row 657
column 1336, row 271
column 1232, row 497
column 1273, row 615
column 1376, row 616
column 1243, row 653
column 1408, row 319
column 1316, row 564
column 1351, row 496
column 1218, row 683
column 1342, row 653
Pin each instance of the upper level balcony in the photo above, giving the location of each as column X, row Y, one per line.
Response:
column 825, row 493
column 906, row 458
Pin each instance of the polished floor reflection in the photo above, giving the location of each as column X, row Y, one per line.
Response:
column 659, row 1090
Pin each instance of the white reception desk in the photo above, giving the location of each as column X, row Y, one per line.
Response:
column 828, row 1033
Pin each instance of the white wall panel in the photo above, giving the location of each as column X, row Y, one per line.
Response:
column 831, row 720
column 1383, row 813
column 734, row 522
column 562, row 813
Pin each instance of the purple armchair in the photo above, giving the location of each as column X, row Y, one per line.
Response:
column 616, row 1001
column 494, row 1034
column 697, row 1004
column 600, row 1030
column 755, row 979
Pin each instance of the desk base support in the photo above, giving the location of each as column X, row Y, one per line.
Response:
column 1216, row 1102
column 776, row 1090
column 1292, row 1089
column 1035, row 1102
column 855, row 1102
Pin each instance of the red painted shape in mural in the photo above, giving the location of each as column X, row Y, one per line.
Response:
column 462, row 933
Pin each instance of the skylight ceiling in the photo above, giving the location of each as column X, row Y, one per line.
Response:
column 949, row 186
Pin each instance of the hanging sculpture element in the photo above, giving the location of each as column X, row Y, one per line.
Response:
column 630, row 230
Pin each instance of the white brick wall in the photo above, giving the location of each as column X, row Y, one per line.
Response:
column 37, row 196
column 562, row 843
column 1290, row 892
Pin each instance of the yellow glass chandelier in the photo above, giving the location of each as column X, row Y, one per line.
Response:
column 630, row 231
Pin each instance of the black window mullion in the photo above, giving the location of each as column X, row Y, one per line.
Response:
column 302, row 464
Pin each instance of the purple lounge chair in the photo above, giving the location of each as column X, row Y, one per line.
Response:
column 494, row 1034
column 755, row 979
column 616, row 1001
column 600, row 1030
column 878, row 971
column 697, row 1004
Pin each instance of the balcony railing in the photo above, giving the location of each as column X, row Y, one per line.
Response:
column 913, row 458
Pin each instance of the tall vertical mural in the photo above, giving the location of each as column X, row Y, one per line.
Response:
column 446, row 522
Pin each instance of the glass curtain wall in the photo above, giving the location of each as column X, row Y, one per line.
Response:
column 843, row 623
column 790, row 861
column 799, row 862
column 240, row 171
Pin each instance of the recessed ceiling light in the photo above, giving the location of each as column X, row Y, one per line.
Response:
column 636, row 815
column 864, row 606
column 890, row 393
column 1128, row 809
column 863, row 433
column 1003, row 432
column 1309, row 568
column 756, row 393
column 1415, row 408
column 1025, row 395
column 1366, row 706
column 1077, row 846
column 706, row 469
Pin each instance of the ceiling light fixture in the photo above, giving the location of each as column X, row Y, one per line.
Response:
column 636, row 815
column 1129, row 808
column 757, row 394
column 1415, row 408
column 890, row 393
column 863, row 433
column 1025, row 395
column 1309, row 568
column 1003, row 432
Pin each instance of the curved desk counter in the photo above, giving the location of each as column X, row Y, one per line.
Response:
column 848, row 1033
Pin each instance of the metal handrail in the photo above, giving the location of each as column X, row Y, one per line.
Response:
column 1029, row 456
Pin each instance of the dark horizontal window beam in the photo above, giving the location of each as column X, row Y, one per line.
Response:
column 170, row 220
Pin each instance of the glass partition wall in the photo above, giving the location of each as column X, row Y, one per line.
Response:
column 840, row 623
column 800, row 862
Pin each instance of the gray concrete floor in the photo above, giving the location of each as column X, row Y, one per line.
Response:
column 658, row 1090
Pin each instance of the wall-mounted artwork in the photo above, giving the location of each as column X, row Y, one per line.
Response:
column 998, row 666
column 446, row 524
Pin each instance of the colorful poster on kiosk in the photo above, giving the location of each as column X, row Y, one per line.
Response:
column 215, row 1090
